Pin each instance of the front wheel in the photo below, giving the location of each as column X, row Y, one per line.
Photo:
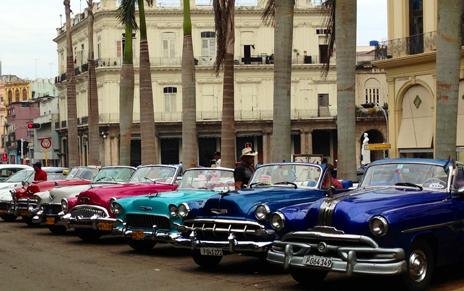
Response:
column 308, row 278
column 142, row 245
column 205, row 261
column 28, row 221
column 88, row 235
column 9, row 217
column 420, row 266
column 57, row 229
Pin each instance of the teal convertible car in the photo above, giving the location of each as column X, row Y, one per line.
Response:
column 156, row 217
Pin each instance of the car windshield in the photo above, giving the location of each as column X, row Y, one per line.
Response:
column 23, row 175
column 301, row 175
column 114, row 175
column 82, row 173
column 426, row 176
column 55, row 176
column 157, row 174
column 210, row 179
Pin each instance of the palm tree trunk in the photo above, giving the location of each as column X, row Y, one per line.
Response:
column 189, row 122
column 283, row 35
column 126, row 100
column 147, row 118
column 449, row 41
column 93, row 112
column 228, row 119
column 73, row 151
column 345, row 40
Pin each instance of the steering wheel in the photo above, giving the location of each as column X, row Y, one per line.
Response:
column 434, row 183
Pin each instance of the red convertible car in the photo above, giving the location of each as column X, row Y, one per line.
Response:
column 92, row 216
column 27, row 201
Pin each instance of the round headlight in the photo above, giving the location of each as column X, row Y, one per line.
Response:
column 37, row 199
column 261, row 212
column 173, row 211
column 115, row 207
column 183, row 210
column 64, row 205
column 378, row 226
column 278, row 221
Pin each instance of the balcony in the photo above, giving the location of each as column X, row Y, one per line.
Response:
column 412, row 45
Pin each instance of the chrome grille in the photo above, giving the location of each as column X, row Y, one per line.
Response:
column 25, row 203
column 147, row 221
column 87, row 212
column 5, row 206
column 214, row 229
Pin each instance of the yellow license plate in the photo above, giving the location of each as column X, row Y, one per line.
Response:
column 50, row 220
column 138, row 235
column 105, row 226
column 23, row 213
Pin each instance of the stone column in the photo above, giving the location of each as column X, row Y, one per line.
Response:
column 306, row 137
column 266, row 147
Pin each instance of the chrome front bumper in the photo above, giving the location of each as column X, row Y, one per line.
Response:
column 94, row 222
column 368, row 258
column 233, row 244
column 155, row 234
column 7, row 208
column 26, row 207
column 48, row 219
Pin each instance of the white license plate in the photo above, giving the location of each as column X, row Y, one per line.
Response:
column 213, row 252
column 318, row 261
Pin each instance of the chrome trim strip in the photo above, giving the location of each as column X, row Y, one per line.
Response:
column 432, row 226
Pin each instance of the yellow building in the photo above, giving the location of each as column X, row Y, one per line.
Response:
column 409, row 60
column 14, row 89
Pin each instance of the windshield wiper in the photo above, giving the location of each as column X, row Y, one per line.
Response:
column 286, row 183
column 98, row 180
column 259, row 184
column 407, row 184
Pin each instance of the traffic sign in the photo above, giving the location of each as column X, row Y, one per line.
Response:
column 45, row 142
column 378, row 146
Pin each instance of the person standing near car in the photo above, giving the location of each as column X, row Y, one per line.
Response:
column 40, row 175
column 245, row 169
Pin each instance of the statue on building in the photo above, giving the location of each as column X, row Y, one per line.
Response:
column 365, row 152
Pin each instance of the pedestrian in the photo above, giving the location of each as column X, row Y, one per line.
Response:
column 216, row 162
column 330, row 180
column 245, row 169
column 40, row 175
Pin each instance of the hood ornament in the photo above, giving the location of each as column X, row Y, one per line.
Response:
column 145, row 208
column 218, row 211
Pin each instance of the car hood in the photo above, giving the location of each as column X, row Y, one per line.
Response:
column 47, row 185
column 5, row 194
column 7, row 185
column 58, row 193
column 243, row 203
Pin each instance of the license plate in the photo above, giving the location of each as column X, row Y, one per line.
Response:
column 318, row 261
column 2, row 211
column 23, row 213
column 137, row 235
column 213, row 252
column 105, row 226
column 50, row 220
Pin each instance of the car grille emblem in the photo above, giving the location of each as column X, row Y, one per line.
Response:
column 84, row 199
column 145, row 208
column 322, row 247
column 218, row 211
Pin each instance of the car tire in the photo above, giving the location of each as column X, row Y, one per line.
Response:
column 206, row 262
column 9, row 217
column 57, row 229
column 420, row 265
column 308, row 278
column 28, row 221
column 88, row 235
column 142, row 245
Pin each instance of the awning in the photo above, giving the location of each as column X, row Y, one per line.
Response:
column 415, row 133
column 460, row 131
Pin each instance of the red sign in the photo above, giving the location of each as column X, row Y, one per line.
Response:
column 45, row 142
column 4, row 157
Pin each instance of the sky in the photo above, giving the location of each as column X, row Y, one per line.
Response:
column 27, row 29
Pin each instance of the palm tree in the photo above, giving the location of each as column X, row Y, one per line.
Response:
column 341, row 27
column 225, row 37
column 280, row 13
column 449, row 41
column 93, row 113
column 126, row 14
column 189, row 123
column 147, row 116
column 73, row 151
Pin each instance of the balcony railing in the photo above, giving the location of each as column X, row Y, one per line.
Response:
column 415, row 44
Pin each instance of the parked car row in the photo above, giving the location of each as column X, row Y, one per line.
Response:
column 404, row 218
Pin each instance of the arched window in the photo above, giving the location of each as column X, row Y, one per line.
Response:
column 24, row 94
column 17, row 95
column 372, row 92
column 10, row 96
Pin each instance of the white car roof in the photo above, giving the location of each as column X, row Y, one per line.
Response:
column 14, row 166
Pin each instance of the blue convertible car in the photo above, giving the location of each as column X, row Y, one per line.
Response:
column 406, row 217
column 237, row 222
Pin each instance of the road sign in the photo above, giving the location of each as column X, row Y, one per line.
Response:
column 378, row 146
column 45, row 142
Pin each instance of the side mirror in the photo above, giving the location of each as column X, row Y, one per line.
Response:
column 65, row 172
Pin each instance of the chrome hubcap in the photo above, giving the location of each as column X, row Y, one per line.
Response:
column 417, row 265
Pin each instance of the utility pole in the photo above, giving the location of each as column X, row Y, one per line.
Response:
column 22, row 151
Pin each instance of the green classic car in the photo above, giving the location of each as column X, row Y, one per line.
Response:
column 156, row 217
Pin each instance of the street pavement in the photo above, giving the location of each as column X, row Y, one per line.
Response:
column 35, row 259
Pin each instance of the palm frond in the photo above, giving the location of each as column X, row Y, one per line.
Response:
column 149, row 2
column 268, row 15
column 222, row 14
column 329, row 24
column 126, row 13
